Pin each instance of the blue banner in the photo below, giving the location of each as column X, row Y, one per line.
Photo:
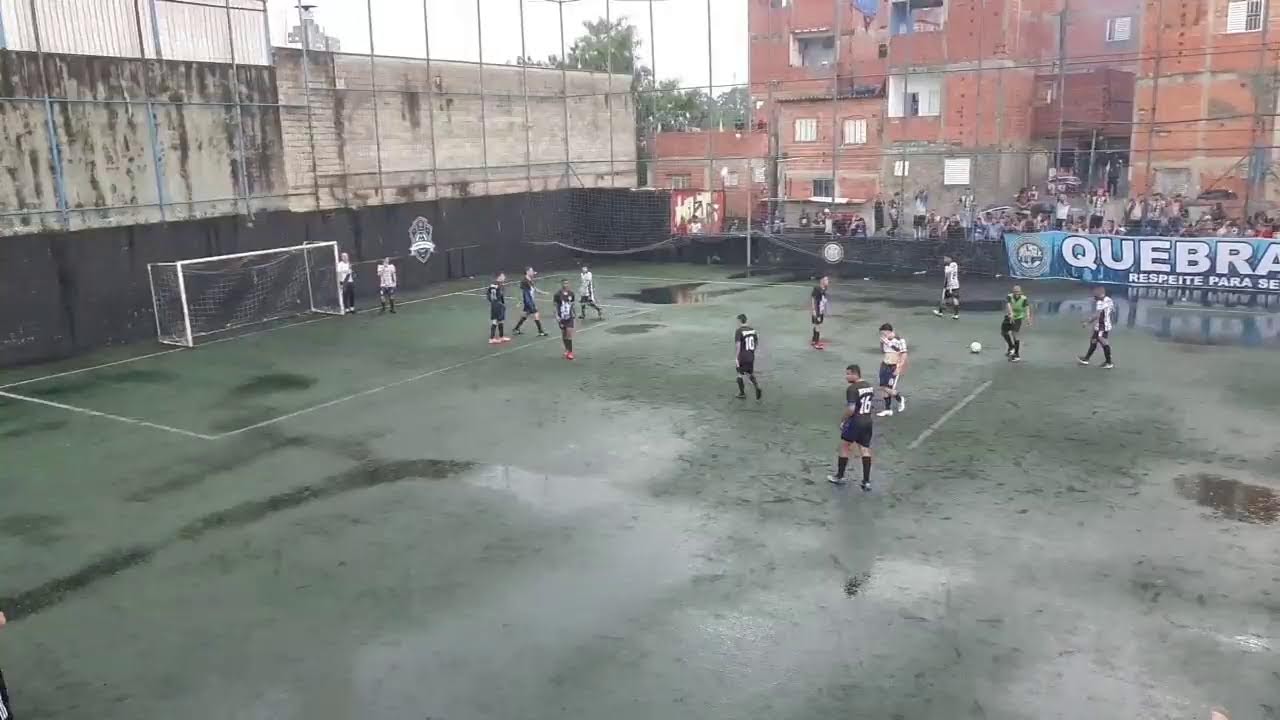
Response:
column 1242, row 264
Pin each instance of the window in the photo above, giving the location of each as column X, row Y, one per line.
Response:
column 822, row 187
column 955, row 171
column 779, row 3
column 918, row 94
column 1244, row 15
column 813, row 50
column 913, row 16
column 731, row 179
column 679, row 182
column 759, row 174
column 1045, row 90
column 1119, row 28
column 806, row 129
column 901, row 168
column 1172, row 181
column 855, row 131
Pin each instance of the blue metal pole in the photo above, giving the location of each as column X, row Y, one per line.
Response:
column 153, row 131
column 2, row 42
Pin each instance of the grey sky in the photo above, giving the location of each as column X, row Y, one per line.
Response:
column 679, row 25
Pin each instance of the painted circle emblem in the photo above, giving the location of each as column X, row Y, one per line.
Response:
column 833, row 252
column 1030, row 258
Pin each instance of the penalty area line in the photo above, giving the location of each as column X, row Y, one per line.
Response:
column 416, row 378
column 948, row 415
column 108, row 416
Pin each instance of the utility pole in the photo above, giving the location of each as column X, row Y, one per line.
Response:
column 1062, row 84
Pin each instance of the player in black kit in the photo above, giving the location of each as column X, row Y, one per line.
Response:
column 745, row 340
column 564, row 313
column 855, row 426
column 818, row 311
column 497, row 310
column 529, row 306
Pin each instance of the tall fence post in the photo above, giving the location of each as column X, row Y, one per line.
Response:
column 373, row 88
column 431, row 104
column 749, row 126
column 155, row 29
column 3, row 43
column 153, row 132
column 524, row 85
column 306, row 98
column 55, row 152
column 235, row 96
column 484, row 130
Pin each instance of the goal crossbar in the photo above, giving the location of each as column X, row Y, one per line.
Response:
column 209, row 295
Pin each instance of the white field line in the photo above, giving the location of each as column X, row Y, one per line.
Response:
column 948, row 414
column 229, row 338
column 415, row 378
column 108, row 416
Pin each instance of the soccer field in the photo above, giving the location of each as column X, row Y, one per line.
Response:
column 385, row 517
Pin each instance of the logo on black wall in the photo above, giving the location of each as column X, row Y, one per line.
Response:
column 833, row 252
column 420, row 243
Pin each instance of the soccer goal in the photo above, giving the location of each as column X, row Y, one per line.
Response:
column 205, row 296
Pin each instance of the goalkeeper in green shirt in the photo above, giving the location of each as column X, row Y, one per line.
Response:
column 1017, row 309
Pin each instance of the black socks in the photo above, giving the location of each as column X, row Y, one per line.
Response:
column 866, row 470
column 841, row 464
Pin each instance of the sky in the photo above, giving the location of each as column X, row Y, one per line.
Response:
column 680, row 30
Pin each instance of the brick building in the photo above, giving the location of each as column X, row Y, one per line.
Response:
column 735, row 162
column 1206, row 100
column 940, row 95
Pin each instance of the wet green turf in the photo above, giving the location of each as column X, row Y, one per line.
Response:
column 419, row 525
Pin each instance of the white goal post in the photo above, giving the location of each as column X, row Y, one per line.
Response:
column 194, row 298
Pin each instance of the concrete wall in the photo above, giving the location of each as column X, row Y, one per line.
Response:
column 117, row 168
column 367, row 154
column 106, row 153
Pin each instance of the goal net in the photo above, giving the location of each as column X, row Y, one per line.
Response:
column 194, row 298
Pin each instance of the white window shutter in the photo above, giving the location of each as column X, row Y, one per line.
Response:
column 1237, row 16
column 901, row 168
column 931, row 102
column 1121, row 28
column 956, row 171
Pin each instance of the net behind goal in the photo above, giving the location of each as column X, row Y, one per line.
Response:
column 195, row 298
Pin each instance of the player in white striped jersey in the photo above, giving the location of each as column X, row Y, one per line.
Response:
column 387, row 285
column 893, row 364
column 950, row 288
column 587, row 294
column 1102, row 321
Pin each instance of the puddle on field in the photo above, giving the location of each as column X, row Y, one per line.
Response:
column 633, row 329
column 1231, row 499
column 681, row 294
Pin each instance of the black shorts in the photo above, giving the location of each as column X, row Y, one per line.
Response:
column 746, row 366
column 920, row 220
column 888, row 375
column 1095, row 222
column 857, row 433
column 566, row 323
column 818, row 317
column 1010, row 325
column 497, row 312
column 530, row 308
column 587, row 300
column 387, row 292
column 951, row 294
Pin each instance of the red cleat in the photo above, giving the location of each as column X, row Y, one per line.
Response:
column 568, row 356
column 494, row 341
column 504, row 339
column 819, row 346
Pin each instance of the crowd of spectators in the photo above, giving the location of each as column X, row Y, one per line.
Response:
column 1033, row 211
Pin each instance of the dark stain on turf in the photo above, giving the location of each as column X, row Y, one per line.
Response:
column 256, row 446
column 33, row 528
column 273, row 383
column 360, row 477
column 855, row 584
column 680, row 294
column 1231, row 499
column 89, row 381
column 33, row 428
column 363, row 476
column 633, row 329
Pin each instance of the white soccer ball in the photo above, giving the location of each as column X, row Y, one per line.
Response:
column 975, row 347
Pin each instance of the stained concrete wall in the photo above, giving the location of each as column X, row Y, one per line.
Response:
column 430, row 135
column 108, row 152
column 119, row 169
